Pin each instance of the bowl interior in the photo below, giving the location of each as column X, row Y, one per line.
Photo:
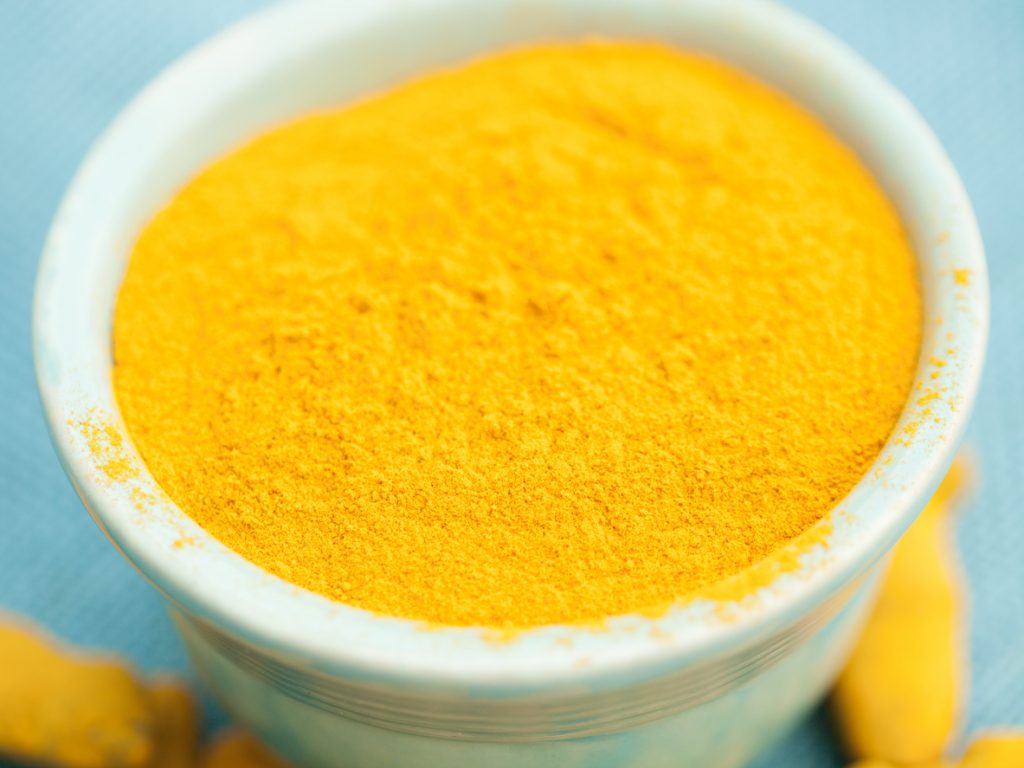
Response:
column 309, row 55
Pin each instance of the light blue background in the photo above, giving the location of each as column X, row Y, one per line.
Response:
column 68, row 66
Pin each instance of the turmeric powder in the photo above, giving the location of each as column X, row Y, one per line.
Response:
column 60, row 708
column 234, row 748
column 569, row 332
column 900, row 694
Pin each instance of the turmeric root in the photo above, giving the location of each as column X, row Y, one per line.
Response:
column 236, row 749
column 899, row 697
column 995, row 750
column 62, row 708
column 176, row 724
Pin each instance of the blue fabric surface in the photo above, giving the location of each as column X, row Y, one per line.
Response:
column 67, row 67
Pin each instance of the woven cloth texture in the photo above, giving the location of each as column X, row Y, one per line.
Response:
column 68, row 66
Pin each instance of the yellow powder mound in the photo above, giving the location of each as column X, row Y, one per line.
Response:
column 566, row 333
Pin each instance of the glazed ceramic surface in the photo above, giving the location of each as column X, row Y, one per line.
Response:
column 707, row 684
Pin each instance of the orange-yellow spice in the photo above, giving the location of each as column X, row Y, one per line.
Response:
column 989, row 750
column 62, row 708
column 900, row 695
column 565, row 333
column 176, row 724
column 106, row 445
column 1003, row 749
column 234, row 748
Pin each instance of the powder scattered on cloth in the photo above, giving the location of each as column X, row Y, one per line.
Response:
column 566, row 333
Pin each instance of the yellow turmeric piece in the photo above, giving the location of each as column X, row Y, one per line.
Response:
column 176, row 724
column 900, row 694
column 236, row 749
column 60, row 708
column 566, row 333
column 998, row 750
column 995, row 750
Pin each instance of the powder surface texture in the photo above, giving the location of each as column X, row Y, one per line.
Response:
column 570, row 332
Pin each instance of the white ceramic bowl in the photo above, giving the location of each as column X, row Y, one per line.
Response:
column 706, row 685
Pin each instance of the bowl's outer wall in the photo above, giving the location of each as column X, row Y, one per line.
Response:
column 726, row 732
